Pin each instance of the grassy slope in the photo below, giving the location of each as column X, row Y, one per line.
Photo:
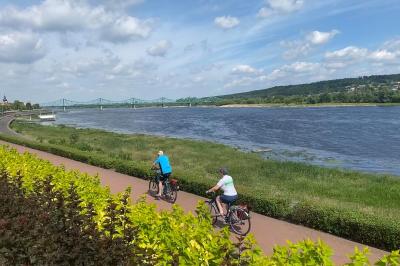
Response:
column 373, row 196
column 199, row 160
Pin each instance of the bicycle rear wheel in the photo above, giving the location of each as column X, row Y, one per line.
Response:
column 239, row 221
column 153, row 188
column 172, row 194
column 213, row 211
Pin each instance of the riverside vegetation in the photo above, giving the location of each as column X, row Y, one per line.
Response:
column 358, row 206
column 50, row 216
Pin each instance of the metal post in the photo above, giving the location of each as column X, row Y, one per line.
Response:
column 63, row 104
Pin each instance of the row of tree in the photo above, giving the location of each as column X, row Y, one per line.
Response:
column 366, row 95
column 18, row 105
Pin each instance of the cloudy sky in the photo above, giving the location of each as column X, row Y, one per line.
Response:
column 118, row 49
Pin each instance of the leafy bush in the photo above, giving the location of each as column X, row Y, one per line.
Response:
column 46, row 227
column 84, row 147
column 51, row 216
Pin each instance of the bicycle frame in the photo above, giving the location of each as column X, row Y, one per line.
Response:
column 213, row 201
column 234, row 216
column 166, row 183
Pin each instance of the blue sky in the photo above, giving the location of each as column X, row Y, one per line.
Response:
column 118, row 49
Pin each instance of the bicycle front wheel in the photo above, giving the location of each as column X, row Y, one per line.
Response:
column 213, row 211
column 239, row 221
column 153, row 187
column 172, row 195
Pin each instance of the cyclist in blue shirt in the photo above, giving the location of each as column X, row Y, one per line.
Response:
column 162, row 162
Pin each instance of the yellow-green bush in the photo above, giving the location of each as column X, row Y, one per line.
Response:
column 161, row 238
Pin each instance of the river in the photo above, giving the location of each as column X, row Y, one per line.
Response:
column 359, row 138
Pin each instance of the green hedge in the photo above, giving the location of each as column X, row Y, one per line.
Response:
column 363, row 228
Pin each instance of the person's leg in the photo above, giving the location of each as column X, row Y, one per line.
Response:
column 219, row 205
column 160, row 186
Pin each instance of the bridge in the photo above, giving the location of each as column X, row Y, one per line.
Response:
column 131, row 102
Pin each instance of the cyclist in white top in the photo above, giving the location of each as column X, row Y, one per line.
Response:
column 226, row 184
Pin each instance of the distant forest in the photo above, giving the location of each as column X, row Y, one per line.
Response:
column 365, row 89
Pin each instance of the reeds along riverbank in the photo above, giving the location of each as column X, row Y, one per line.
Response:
column 358, row 206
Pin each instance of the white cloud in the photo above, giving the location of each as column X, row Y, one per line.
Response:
column 159, row 49
column 295, row 48
column 244, row 69
column 239, row 82
column 226, row 22
column 319, row 37
column 285, row 5
column 297, row 69
column 350, row 52
column 298, row 48
column 380, row 55
column 279, row 7
column 198, row 79
column 21, row 48
column 127, row 28
column 55, row 15
column 121, row 4
column 301, row 67
column 69, row 15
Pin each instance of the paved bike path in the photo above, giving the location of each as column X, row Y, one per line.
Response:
column 268, row 231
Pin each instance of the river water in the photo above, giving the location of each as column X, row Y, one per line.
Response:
column 359, row 138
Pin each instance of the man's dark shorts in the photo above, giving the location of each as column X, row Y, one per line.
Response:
column 228, row 199
column 164, row 177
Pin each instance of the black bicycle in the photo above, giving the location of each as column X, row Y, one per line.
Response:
column 170, row 187
column 238, row 217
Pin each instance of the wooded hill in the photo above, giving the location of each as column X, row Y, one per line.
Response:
column 330, row 86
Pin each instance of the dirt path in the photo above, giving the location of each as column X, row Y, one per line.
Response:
column 268, row 231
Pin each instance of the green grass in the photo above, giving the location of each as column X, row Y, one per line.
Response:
column 280, row 189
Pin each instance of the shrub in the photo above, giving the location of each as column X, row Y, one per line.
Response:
column 73, row 138
column 50, row 216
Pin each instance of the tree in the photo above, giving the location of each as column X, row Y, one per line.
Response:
column 18, row 105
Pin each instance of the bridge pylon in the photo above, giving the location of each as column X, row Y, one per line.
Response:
column 63, row 105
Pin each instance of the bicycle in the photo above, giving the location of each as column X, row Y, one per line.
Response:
column 238, row 217
column 170, row 187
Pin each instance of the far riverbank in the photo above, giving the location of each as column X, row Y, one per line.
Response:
column 277, row 105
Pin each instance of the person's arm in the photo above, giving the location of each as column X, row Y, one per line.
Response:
column 155, row 163
column 214, row 188
column 217, row 186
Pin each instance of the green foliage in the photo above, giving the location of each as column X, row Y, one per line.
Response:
column 391, row 259
column 359, row 258
column 73, row 138
column 305, row 252
column 47, row 227
column 367, row 89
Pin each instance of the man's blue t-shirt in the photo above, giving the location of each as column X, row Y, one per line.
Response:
column 163, row 161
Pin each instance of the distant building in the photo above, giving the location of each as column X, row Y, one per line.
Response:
column 5, row 101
